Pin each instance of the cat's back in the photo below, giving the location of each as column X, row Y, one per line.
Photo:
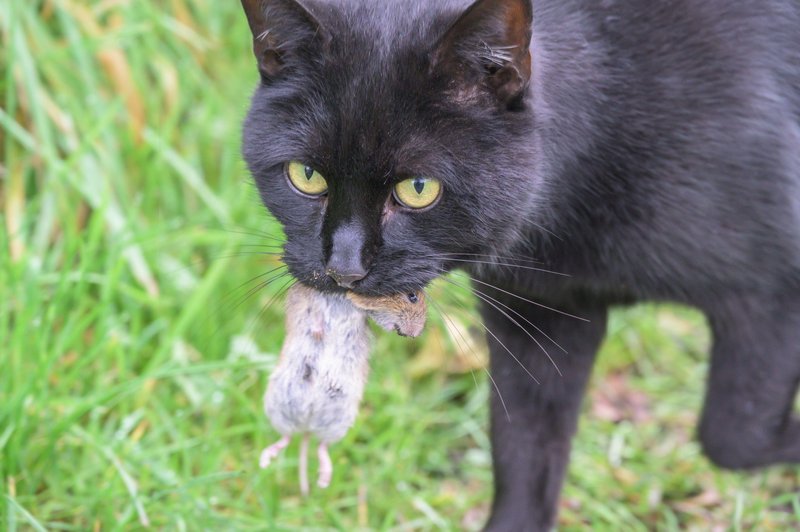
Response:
column 711, row 77
column 694, row 41
column 673, row 118
column 729, row 71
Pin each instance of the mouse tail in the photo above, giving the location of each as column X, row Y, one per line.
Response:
column 304, row 464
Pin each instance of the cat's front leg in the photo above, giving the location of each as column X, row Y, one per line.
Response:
column 532, row 424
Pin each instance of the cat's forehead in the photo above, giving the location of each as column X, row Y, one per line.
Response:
column 371, row 42
column 376, row 111
column 387, row 23
column 367, row 104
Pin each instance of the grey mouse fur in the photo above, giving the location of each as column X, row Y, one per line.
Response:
column 317, row 385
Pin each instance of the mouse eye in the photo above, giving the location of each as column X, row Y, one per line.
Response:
column 412, row 297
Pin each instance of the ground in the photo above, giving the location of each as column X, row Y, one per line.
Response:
column 135, row 341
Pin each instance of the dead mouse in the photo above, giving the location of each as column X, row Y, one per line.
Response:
column 319, row 380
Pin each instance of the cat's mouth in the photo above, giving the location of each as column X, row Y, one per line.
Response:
column 390, row 274
column 369, row 287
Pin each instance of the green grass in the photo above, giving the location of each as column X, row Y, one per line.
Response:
column 132, row 368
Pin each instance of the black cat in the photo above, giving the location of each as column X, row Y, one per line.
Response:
column 650, row 149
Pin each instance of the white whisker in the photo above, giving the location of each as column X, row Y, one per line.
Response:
column 529, row 322
column 515, row 322
column 487, row 255
column 506, row 348
column 488, row 373
column 567, row 314
column 505, row 264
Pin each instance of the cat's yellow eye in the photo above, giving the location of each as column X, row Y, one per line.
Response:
column 305, row 179
column 417, row 192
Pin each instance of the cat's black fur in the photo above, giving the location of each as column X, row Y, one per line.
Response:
column 648, row 148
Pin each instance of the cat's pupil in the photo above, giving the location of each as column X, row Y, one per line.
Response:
column 419, row 185
column 309, row 172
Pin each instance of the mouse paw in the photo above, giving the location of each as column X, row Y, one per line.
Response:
column 271, row 452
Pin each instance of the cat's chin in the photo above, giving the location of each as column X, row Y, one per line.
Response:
column 329, row 286
column 323, row 284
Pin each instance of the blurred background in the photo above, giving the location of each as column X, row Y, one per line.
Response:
column 137, row 326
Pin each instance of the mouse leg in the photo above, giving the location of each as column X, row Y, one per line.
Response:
column 273, row 451
column 304, row 465
column 325, row 466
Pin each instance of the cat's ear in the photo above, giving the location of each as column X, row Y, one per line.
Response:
column 280, row 29
column 488, row 46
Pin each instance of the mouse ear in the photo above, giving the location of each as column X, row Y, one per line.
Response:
column 488, row 47
column 282, row 31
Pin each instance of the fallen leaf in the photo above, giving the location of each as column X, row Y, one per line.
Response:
column 430, row 357
column 461, row 350
column 614, row 400
column 699, row 504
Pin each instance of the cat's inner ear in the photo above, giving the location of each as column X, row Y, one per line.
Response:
column 281, row 30
column 488, row 46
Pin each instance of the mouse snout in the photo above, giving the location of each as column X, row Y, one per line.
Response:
column 413, row 329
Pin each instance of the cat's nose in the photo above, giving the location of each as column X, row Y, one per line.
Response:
column 346, row 279
column 345, row 265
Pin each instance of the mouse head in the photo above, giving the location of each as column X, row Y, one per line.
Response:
column 402, row 313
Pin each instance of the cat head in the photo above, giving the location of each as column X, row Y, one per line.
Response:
column 389, row 137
